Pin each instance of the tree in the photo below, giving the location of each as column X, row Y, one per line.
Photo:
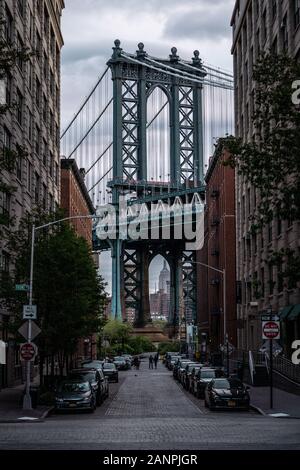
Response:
column 270, row 162
column 117, row 334
column 67, row 290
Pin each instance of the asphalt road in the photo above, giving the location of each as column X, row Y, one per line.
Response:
column 148, row 410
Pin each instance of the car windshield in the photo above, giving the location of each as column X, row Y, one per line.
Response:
column 228, row 383
column 74, row 387
column 208, row 374
column 91, row 365
column 119, row 359
column 109, row 366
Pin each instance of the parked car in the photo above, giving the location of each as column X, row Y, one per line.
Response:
column 193, row 377
column 177, row 366
column 168, row 355
column 92, row 364
column 182, row 365
column 171, row 361
column 74, row 394
column 120, row 363
column 96, row 379
column 204, row 376
column 227, row 393
column 184, row 372
column 111, row 372
column 128, row 360
column 186, row 375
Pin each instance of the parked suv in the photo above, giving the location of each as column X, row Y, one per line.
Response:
column 97, row 380
column 111, row 372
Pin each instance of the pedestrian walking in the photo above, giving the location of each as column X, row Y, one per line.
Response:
column 151, row 362
column 156, row 360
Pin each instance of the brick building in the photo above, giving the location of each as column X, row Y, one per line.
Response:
column 34, row 86
column 261, row 25
column 218, row 252
column 75, row 200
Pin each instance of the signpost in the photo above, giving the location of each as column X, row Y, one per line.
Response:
column 22, row 287
column 29, row 312
column 24, row 330
column 270, row 331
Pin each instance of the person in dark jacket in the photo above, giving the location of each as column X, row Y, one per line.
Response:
column 156, row 360
column 151, row 362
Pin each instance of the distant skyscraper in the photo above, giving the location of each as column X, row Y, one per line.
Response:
column 164, row 278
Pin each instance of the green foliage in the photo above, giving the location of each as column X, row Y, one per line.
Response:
column 116, row 331
column 68, row 293
column 173, row 346
column 140, row 344
column 270, row 162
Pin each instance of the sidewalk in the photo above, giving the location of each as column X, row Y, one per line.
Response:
column 284, row 404
column 11, row 407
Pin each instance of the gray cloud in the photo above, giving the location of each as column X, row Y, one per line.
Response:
column 202, row 23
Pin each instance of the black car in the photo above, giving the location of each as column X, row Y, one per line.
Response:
column 96, row 379
column 111, row 372
column 204, row 376
column 227, row 393
column 75, row 395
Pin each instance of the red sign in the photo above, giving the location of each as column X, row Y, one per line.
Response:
column 27, row 351
column 271, row 330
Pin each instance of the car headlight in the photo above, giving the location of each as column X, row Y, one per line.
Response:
column 86, row 400
column 59, row 400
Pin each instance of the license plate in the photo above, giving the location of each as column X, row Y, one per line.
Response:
column 72, row 405
column 231, row 403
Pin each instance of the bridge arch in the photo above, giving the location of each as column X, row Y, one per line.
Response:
column 158, row 134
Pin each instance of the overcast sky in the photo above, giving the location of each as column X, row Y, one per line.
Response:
column 90, row 27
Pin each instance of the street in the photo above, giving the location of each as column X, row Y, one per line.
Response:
column 148, row 410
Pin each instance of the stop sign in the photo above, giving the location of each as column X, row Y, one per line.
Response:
column 27, row 351
column 271, row 330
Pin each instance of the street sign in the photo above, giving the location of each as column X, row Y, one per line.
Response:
column 29, row 312
column 271, row 330
column 28, row 351
column 35, row 330
column 22, row 287
column 266, row 317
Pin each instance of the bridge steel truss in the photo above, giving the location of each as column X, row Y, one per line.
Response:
column 134, row 78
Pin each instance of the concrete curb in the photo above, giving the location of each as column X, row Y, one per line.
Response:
column 258, row 410
column 27, row 421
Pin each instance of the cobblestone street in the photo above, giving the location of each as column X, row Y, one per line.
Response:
column 147, row 409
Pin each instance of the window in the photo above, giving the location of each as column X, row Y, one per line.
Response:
column 57, row 98
column 45, row 107
column 279, row 278
column 29, row 176
column 8, row 90
column 37, row 92
column 274, row 9
column 51, row 124
column 39, row 5
column 8, row 25
column 38, row 45
column 37, row 140
column 19, row 167
column 284, row 34
column 52, row 83
column 264, row 27
column 4, row 266
column 6, row 139
column 297, row 12
column 51, row 203
column 274, row 48
column 45, row 152
column 52, row 42
column 21, row 7
column 51, row 163
column 4, row 207
column 30, row 75
column 31, row 26
column 44, row 196
column 46, row 21
column 20, row 49
column 45, row 66
column 57, row 57
column 19, row 107
column 271, row 282
column 57, row 135
column 56, row 173
column 36, row 187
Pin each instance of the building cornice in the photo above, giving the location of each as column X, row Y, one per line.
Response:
column 70, row 164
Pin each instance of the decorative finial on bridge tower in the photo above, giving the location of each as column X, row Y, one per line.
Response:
column 196, row 59
column 174, row 57
column 117, row 49
column 141, row 54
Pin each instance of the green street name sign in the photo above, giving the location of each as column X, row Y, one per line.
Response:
column 22, row 287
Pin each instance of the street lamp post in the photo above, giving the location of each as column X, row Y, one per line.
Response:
column 27, row 403
column 225, row 334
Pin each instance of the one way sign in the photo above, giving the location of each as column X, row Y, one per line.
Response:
column 29, row 312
